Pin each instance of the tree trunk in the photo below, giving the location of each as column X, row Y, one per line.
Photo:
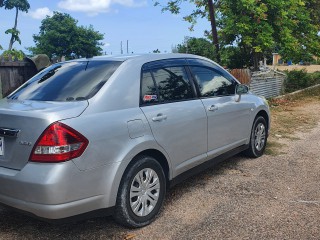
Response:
column 15, row 28
column 256, row 61
column 214, row 29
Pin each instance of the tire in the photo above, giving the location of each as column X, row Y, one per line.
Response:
column 139, row 203
column 258, row 138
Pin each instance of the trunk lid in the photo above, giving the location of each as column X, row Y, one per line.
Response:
column 22, row 122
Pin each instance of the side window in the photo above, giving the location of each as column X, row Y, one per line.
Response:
column 212, row 83
column 172, row 84
column 148, row 89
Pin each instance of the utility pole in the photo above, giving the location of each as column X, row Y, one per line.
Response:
column 121, row 47
column 127, row 46
column 186, row 41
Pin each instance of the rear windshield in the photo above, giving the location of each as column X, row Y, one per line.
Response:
column 70, row 81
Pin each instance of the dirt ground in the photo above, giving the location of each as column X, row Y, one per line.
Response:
column 272, row 197
column 310, row 69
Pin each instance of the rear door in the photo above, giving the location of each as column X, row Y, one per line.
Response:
column 228, row 120
column 177, row 118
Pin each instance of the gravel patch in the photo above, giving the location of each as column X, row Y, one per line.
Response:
column 272, row 197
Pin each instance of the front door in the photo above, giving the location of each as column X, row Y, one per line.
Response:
column 228, row 120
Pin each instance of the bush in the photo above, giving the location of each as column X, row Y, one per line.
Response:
column 315, row 78
column 13, row 55
column 300, row 79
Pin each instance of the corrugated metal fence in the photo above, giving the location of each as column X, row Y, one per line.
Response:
column 268, row 84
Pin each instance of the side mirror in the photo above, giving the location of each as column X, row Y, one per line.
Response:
column 242, row 89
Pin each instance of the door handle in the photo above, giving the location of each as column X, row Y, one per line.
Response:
column 160, row 117
column 213, row 108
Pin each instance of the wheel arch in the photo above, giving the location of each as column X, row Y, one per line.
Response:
column 160, row 156
column 265, row 115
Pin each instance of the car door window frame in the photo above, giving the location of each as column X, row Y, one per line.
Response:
column 210, row 67
column 148, row 67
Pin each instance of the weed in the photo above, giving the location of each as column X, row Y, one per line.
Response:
column 290, row 114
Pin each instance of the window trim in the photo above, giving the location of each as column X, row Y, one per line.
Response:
column 232, row 80
column 198, row 62
column 166, row 65
column 187, row 63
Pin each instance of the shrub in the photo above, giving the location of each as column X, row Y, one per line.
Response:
column 300, row 79
column 13, row 55
column 315, row 78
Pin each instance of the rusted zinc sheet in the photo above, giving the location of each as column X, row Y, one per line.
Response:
column 243, row 75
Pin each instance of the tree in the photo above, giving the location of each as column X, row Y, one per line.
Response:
column 266, row 25
column 203, row 9
column 88, row 44
column 18, row 5
column 198, row 46
column 234, row 57
column 313, row 7
column 60, row 36
column 245, row 23
column 259, row 27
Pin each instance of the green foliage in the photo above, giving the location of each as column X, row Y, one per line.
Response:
column 156, row 51
column 15, row 34
column 21, row 5
column 87, row 43
column 283, row 26
column 174, row 6
column 313, row 7
column 300, row 79
column 60, row 36
column 197, row 46
column 202, row 9
column 235, row 57
column 231, row 57
column 260, row 27
column 13, row 55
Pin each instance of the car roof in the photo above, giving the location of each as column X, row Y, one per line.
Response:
column 144, row 57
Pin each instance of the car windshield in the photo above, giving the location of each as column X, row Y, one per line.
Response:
column 69, row 81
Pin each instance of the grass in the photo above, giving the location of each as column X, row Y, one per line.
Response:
column 274, row 148
column 290, row 114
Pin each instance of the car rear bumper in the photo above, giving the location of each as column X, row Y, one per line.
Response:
column 56, row 191
column 58, row 211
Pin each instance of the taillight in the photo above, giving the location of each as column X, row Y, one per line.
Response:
column 58, row 143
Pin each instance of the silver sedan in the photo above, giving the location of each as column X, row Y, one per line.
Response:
column 110, row 134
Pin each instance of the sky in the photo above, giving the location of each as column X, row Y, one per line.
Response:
column 139, row 22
